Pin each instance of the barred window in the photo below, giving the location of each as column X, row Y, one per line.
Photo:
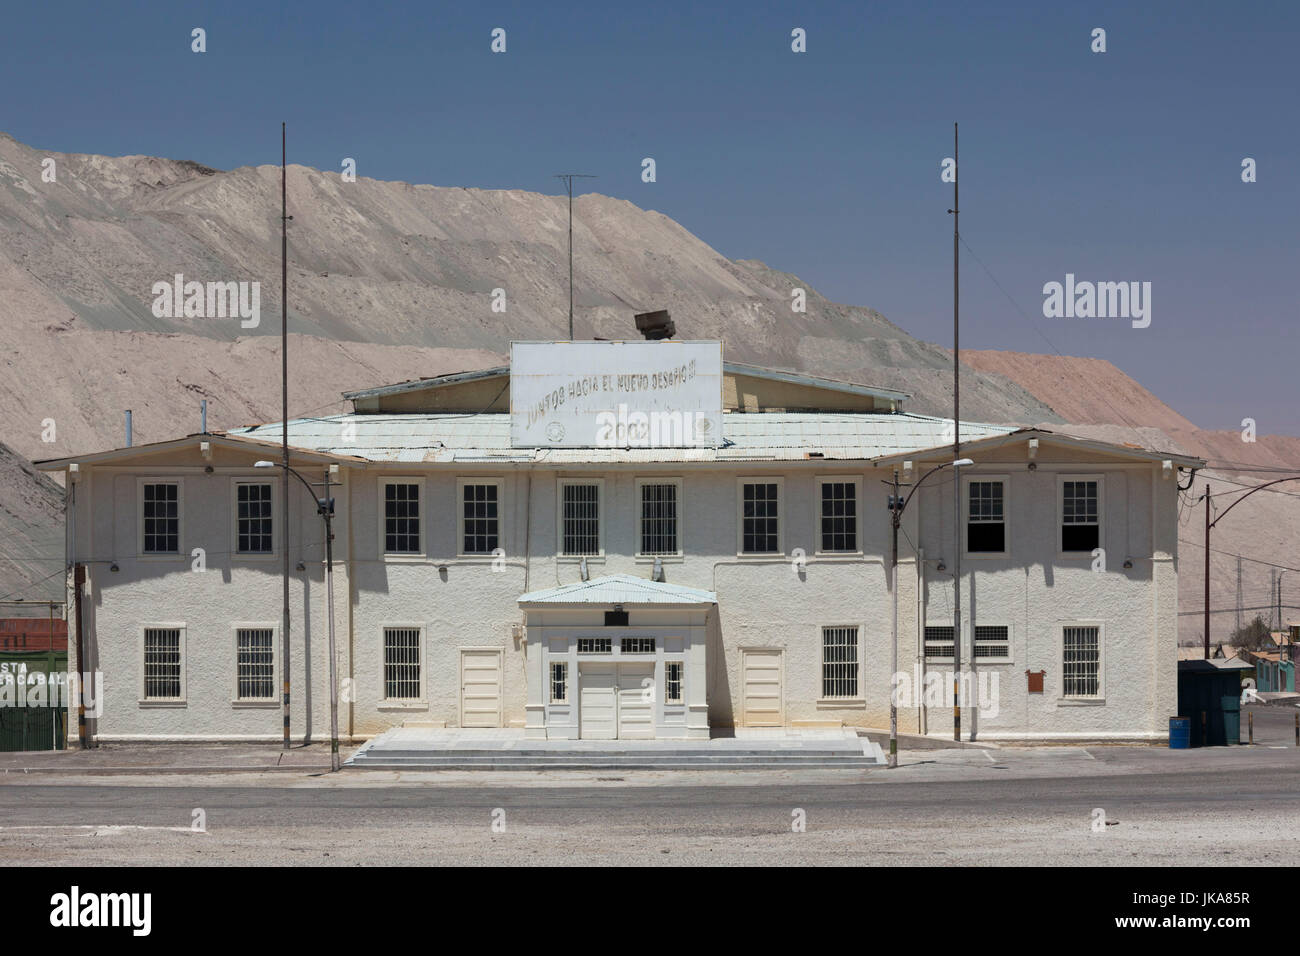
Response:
column 759, row 517
column 938, row 641
column 401, row 517
column 402, row 663
column 559, row 682
column 637, row 645
column 162, row 663
column 160, row 510
column 253, row 517
column 1080, row 527
column 992, row 640
column 595, row 645
column 480, row 528
column 839, row 516
column 1081, row 661
column 672, row 682
column 255, row 663
column 659, row 518
column 839, row 662
column 986, row 522
column 580, row 534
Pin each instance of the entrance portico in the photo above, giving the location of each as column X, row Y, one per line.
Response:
column 617, row 658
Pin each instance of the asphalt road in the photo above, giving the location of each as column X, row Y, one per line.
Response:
column 1225, row 806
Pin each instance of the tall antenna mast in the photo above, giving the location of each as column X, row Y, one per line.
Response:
column 284, row 421
column 956, row 471
column 568, row 183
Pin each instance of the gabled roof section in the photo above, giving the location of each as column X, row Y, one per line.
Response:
column 242, row 442
column 975, row 442
column 620, row 589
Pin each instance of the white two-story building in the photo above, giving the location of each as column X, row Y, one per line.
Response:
column 487, row 579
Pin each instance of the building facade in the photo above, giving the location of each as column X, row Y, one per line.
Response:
column 630, row 592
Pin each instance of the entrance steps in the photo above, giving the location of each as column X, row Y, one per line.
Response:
column 412, row 749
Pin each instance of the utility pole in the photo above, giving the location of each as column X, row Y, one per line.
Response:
column 1240, row 597
column 284, row 423
column 956, row 454
column 568, row 183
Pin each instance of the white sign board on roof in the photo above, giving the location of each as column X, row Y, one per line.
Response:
column 661, row 394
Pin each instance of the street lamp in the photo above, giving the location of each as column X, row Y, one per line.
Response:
column 896, row 506
column 324, row 508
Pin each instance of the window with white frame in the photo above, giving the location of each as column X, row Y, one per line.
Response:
column 559, row 682
column 939, row 641
column 255, row 663
column 160, row 517
column 660, row 503
column 253, row 517
column 986, row 520
column 839, row 662
column 402, row 662
column 480, row 516
column 838, row 514
column 636, row 645
column 401, row 502
column 1081, row 660
column 163, row 664
column 760, row 507
column 595, row 645
column 1080, row 514
column 673, row 682
column 580, row 514
column 992, row 641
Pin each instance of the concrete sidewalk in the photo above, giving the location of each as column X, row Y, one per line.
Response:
column 170, row 758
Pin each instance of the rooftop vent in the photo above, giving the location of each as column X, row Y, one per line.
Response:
column 655, row 325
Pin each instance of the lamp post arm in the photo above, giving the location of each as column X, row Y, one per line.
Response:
column 1248, row 494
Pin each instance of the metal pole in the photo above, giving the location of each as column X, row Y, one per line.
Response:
column 569, row 181
column 284, row 422
column 327, row 510
column 894, row 518
column 1207, row 571
column 956, row 454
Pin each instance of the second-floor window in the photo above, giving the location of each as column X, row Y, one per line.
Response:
column 838, row 504
column 401, row 501
column 986, row 523
column 480, row 516
column 580, row 518
column 160, row 517
column 1080, row 514
column 253, row 517
column 760, row 507
column 659, row 517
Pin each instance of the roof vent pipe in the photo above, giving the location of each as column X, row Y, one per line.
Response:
column 655, row 325
column 203, row 416
column 128, row 428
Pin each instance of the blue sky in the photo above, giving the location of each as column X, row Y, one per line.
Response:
column 1117, row 166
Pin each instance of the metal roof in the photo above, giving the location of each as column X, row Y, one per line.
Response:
column 619, row 589
column 747, row 437
column 731, row 368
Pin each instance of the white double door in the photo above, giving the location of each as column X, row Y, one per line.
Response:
column 616, row 701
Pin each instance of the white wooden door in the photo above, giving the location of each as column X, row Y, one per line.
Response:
column 764, row 690
column 636, row 697
column 480, row 688
column 597, row 705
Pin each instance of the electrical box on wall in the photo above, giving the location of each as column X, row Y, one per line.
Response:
column 1035, row 681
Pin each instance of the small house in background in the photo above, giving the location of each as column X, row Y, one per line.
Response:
column 1274, row 671
column 1209, row 696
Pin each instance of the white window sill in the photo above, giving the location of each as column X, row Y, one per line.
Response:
column 981, row 661
column 986, row 555
column 255, row 555
column 578, row 558
column 413, row 705
column 255, row 704
column 162, row 704
column 1080, row 701
column 405, row 557
column 837, row 554
column 841, row 703
column 760, row 556
column 162, row 556
column 678, row 558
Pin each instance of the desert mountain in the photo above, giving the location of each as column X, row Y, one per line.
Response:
column 390, row 281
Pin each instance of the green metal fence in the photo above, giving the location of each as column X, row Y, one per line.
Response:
column 25, row 725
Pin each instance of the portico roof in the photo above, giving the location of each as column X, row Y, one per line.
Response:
column 620, row 589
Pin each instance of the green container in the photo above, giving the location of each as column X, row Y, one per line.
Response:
column 27, row 727
column 1231, row 719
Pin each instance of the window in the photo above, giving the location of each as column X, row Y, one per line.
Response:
column 672, row 682
column 659, row 517
column 402, row 663
column 255, row 663
column 559, row 682
column 986, row 523
column 760, row 504
column 480, row 516
column 1081, row 661
column 637, row 645
column 580, row 532
column 163, row 670
column 1080, row 507
column 938, row 641
column 401, row 504
column 595, row 645
column 160, row 517
column 839, row 662
column 252, row 517
column 838, row 515
column 993, row 641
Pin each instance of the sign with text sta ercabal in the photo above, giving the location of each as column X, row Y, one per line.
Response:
column 661, row 394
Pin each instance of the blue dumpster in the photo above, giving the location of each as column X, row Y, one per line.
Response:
column 1180, row 733
column 1232, row 719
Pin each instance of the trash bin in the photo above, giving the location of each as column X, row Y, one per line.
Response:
column 1180, row 733
column 1232, row 719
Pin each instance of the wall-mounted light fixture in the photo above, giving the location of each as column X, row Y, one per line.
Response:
column 113, row 567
